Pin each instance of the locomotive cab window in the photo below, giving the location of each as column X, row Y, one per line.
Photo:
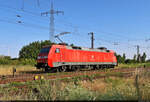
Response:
column 57, row 50
column 45, row 50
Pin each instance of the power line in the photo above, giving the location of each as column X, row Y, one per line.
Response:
column 110, row 33
column 29, row 25
column 25, row 11
column 28, row 12
column 119, row 36
column 36, row 14
column 21, row 16
column 114, row 34
column 24, row 24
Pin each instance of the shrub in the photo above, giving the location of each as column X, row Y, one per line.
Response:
column 27, row 61
column 7, row 61
column 119, row 91
column 4, row 61
column 79, row 93
column 32, row 50
column 56, row 91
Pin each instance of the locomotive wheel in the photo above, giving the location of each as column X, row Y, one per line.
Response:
column 62, row 69
column 77, row 69
column 73, row 68
column 46, row 69
column 95, row 67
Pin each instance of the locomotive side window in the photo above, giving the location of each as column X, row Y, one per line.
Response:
column 57, row 50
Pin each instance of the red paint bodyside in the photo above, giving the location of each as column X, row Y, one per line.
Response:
column 76, row 55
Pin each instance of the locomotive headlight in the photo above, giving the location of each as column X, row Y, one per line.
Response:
column 38, row 57
column 45, row 56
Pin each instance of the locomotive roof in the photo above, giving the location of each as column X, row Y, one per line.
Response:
column 88, row 49
column 100, row 49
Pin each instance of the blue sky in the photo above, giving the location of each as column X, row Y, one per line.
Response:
column 125, row 22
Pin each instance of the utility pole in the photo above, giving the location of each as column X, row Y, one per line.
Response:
column 92, row 39
column 52, row 12
column 138, row 47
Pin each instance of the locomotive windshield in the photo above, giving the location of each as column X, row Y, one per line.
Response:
column 45, row 50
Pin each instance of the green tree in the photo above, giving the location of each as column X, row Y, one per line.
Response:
column 124, row 57
column 32, row 50
column 134, row 58
column 71, row 44
column 129, row 61
column 143, row 57
column 119, row 58
column 139, row 58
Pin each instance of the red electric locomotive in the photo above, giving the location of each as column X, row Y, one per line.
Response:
column 63, row 57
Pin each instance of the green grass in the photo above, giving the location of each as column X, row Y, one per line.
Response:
column 133, row 65
column 8, row 61
column 16, row 84
column 56, row 90
column 118, row 74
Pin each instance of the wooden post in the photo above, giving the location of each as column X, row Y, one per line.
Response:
column 14, row 70
column 137, row 87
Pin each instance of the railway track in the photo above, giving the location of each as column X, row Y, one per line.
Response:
column 127, row 72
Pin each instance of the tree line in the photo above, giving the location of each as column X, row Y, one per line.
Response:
column 32, row 50
column 136, row 59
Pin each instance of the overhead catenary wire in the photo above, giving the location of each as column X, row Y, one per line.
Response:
column 16, row 13
column 29, row 12
column 11, row 21
column 35, row 26
column 29, row 25
column 25, row 11
column 36, row 14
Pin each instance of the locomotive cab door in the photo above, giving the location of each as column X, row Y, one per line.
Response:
column 57, row 55
column 60, row 54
